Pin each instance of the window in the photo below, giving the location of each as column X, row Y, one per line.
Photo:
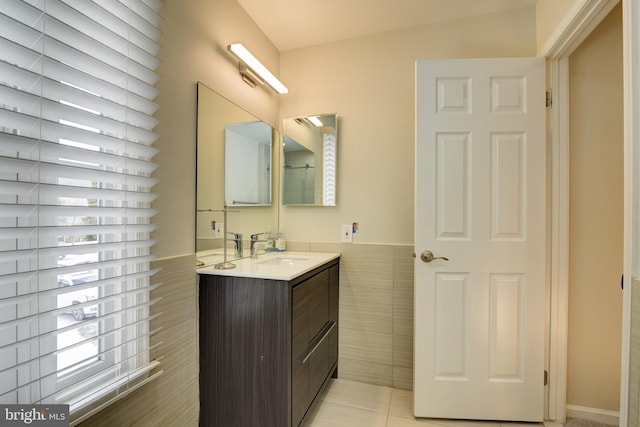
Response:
column 76, row 132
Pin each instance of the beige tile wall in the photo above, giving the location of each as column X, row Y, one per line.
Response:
column 376, row 312
column 171, row 399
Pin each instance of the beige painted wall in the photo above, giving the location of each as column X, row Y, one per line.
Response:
column 596, row 218
column 369, row 83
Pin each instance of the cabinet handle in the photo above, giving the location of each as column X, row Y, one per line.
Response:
column 315, row 347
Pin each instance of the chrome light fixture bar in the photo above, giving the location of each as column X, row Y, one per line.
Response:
column 253, row 67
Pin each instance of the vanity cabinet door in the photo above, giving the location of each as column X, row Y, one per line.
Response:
column 243, row 352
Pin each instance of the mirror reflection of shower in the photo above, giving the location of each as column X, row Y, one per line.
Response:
column 310, row 160
column 299, row 174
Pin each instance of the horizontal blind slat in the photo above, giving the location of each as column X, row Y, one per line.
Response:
column 24, row 170
column 27, row 282
column 103, row 213
column 15, row 125
column 14, row 146
column 59, row 110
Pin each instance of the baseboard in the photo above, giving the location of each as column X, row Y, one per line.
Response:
column 593, row 414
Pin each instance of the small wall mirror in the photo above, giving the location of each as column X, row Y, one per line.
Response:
column 309, row 160
column 247, row 164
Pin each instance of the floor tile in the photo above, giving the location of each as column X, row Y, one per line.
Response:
column 359, row 395
column 331, row 414
column 401, row 404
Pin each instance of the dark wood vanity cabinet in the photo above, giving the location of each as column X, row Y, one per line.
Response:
column 266, row 346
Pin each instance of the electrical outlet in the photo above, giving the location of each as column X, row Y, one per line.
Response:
column 219, row 231
column 347, row 234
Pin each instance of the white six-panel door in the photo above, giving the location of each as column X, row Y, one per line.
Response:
column 480, row 202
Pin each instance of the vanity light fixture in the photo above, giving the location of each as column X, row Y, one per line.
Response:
column 253, row 71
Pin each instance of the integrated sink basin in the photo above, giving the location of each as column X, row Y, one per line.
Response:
column 284, row 261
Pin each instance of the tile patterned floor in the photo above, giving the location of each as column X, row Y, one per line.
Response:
column 353, row 404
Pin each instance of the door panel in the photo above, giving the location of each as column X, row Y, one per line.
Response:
column 507, row 185
column 453, row 175
column 480, row 202
column 505, row 331
column 452, row 326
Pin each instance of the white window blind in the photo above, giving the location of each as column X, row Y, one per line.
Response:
column 76, row 132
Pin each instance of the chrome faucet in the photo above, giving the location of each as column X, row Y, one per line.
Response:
column 255, row 249
column 255, row 239
column 237, row 243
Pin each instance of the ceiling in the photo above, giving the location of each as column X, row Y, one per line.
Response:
column 293, row 24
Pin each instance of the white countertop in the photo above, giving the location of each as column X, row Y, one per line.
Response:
column 288, row 265
column 212, row 256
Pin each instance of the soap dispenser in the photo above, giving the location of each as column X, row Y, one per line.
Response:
column 271, row 243
column 280, row 243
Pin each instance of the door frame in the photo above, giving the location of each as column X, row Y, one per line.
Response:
column 582, row 18
column 631, row 82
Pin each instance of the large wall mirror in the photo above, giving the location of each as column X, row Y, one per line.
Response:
column 309, row 160
column 235, row 167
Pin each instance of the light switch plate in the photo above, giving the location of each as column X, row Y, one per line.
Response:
column 347, row 234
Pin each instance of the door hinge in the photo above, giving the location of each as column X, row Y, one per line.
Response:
column 549, row 99
column 546, row 377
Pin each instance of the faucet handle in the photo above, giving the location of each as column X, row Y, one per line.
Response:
column 255, row 237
